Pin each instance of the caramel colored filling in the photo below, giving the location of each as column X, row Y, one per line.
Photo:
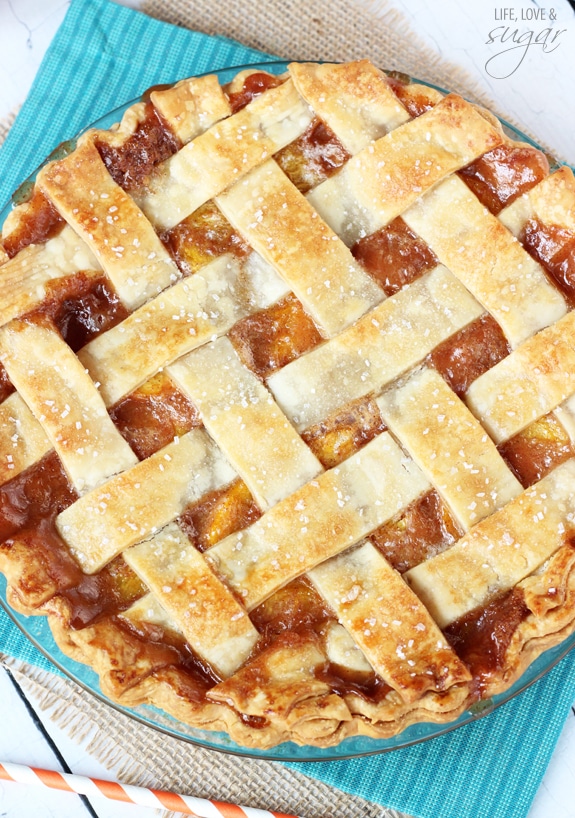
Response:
column 218, row 514
column 41, row 567
column 39, row 221
column 482, row 637
column 110, row 591
column 270, row 339
column 394, row 256
column 416, row 103
column 420, row 532
column 6, row 386
column 554, row 248
column 469, row 353
column 344, row 433
column 312, row 158
column 254, row 85
column 131, row 164
column 538, row 449
column 153, row 415
column 40, row 492
column 203, row 236
column 502, row 175
column 41, row 564
column 81, row 306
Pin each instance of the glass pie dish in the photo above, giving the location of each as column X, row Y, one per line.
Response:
column 38, row 631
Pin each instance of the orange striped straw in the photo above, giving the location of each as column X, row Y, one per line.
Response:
column 144, row 797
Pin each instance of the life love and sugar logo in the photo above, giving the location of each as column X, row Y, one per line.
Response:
column 519, row 30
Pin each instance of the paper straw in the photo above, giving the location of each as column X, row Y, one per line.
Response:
column 144, row 797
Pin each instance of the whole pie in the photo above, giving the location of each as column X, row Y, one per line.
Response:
column 288, row 404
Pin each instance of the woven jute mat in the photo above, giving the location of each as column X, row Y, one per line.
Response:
column 138, row 755
column 5, row 125
column 324, row 30
column 336, row 30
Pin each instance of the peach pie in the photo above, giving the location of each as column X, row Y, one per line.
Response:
column 288, row 404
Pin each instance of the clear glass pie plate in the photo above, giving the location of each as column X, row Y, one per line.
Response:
column 37, row 630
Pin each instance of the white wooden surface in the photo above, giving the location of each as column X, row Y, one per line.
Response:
column 22, row 741
column 537, row 93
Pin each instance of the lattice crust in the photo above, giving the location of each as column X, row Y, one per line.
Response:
column 287, row 404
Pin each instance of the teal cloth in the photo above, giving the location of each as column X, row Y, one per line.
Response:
column 104, row 53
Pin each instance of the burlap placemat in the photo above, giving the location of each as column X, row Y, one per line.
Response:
column 336, row 30
column 326, row 30
column 138, row 755
column 5, row 125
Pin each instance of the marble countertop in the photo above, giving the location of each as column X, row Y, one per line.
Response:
column 528, row 74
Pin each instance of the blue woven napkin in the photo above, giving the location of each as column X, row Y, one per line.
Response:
column 104, row 53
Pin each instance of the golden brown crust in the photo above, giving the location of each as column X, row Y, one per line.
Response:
column 166, row 686
column 486, row 258
column 394, row 337
column 191, row 106
column 104, row 215
column 218, row 384
column 307, row 633
column 382, row 181
column 214, row 621
column 135, row 503
column 354, row 99
column 316, row 264
column 397, row 635
column 324, row 517
column 305, row 713
column 541, row 371
column 24, row 278
column 450, row 446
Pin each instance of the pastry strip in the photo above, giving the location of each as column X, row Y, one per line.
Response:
column 491, row 263
column 551, row 202
column 384, row 179
column 192, row 106
column 23, row 279
column 206, row 612
column 148, row 611
column 317, row 265
column 382, row 345
column 342, row 650
column 63, row 398
column 135, row 504
column 389, row 623
column 229, row 149
column 534, row 379
column 22, row 439
column 283, row 680
column 245, row 421
column 180, row 319
column 321, row 519
column 449, row 446
column 565, row 414
column 109, row 221
column 500, row 551
column 354, row 100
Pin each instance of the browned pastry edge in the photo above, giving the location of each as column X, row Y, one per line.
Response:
column 326, row 720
